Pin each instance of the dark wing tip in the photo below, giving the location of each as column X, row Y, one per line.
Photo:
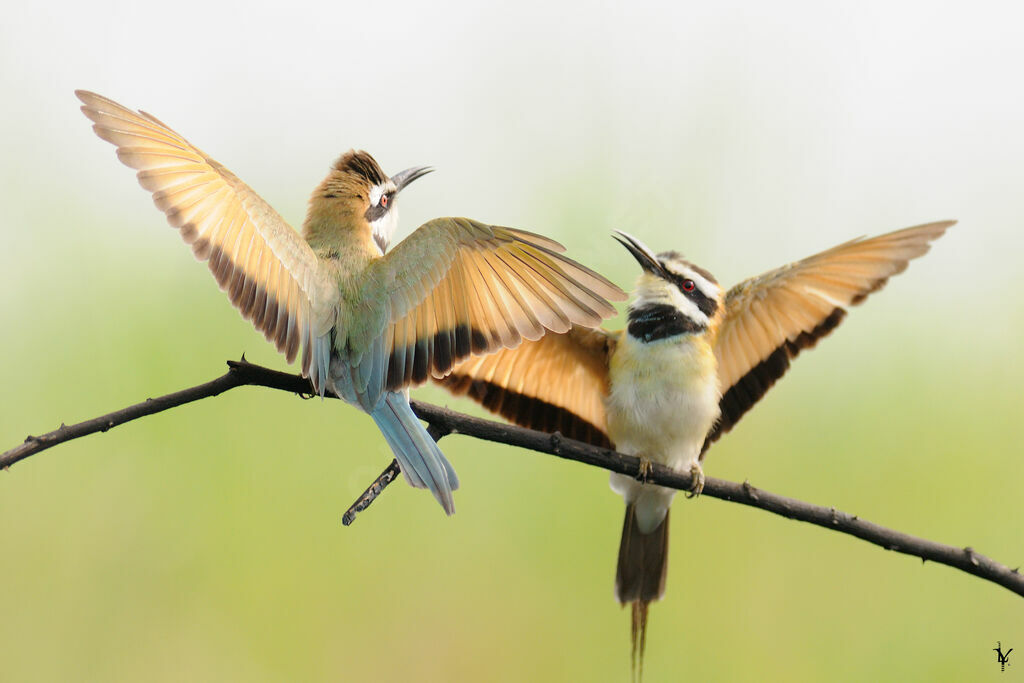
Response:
column 526, row 411
column 751, row 387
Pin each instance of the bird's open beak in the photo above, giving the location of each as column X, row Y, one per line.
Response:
column 644, row 256
column 403, row 178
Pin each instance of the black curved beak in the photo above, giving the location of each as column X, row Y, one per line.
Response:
column 403, row 178
column 644, row 256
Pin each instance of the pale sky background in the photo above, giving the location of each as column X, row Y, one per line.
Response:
column 745, row 134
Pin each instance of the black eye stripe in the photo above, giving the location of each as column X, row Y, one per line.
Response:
column 381, row 208
column 375, row 212
column 704, row 303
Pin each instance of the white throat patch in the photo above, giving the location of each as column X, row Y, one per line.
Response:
column 384, row 228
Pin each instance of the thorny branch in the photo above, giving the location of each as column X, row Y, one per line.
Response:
column 443, row 421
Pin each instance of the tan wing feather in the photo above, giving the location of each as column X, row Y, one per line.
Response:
column 456, row 287
column 557, row 383
column 269, row 272
column 770, row 318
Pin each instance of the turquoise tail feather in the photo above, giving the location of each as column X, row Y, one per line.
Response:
column 421, row 460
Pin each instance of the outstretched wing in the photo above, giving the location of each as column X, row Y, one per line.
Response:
column 557, row 383
column 457, row 287
column 772, row 317
column 269, row 272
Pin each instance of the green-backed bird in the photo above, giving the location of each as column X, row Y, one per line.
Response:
column 369, row 322
column 691, row 361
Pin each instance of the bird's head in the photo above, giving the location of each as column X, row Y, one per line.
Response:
column 672, row 286
column 357, row 190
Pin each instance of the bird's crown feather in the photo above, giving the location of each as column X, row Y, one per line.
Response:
column 361, row 165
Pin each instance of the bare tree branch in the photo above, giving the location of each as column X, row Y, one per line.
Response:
column 381, row 482
column 370, row 494
column 35, row 444
column 445, row 421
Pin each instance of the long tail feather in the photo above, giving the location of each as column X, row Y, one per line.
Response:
column 418, row 455
column 640, row 576
column 638, row 632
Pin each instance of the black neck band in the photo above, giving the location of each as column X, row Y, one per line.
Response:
column 659, row 321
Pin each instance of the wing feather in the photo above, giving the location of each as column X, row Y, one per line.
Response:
column 556, row 383
column 458, row 287
column 545, row 311
column 771, row 318
column 268, row 271
column 499, row 316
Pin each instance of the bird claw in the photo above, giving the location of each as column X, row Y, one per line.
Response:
column 697, row 484
column 646, row 467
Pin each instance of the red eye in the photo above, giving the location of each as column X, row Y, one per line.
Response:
column 384, row 200
column 688, row 285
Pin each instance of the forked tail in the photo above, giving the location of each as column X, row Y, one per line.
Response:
column 417, row 453
column 640, row 576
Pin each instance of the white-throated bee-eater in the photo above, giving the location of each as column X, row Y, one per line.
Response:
column 691, row 361
column 369, row 322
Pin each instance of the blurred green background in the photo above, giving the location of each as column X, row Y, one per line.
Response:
column 205, row 543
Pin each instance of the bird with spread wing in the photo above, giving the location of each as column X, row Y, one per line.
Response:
column 367, row 322
column 691, row 362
